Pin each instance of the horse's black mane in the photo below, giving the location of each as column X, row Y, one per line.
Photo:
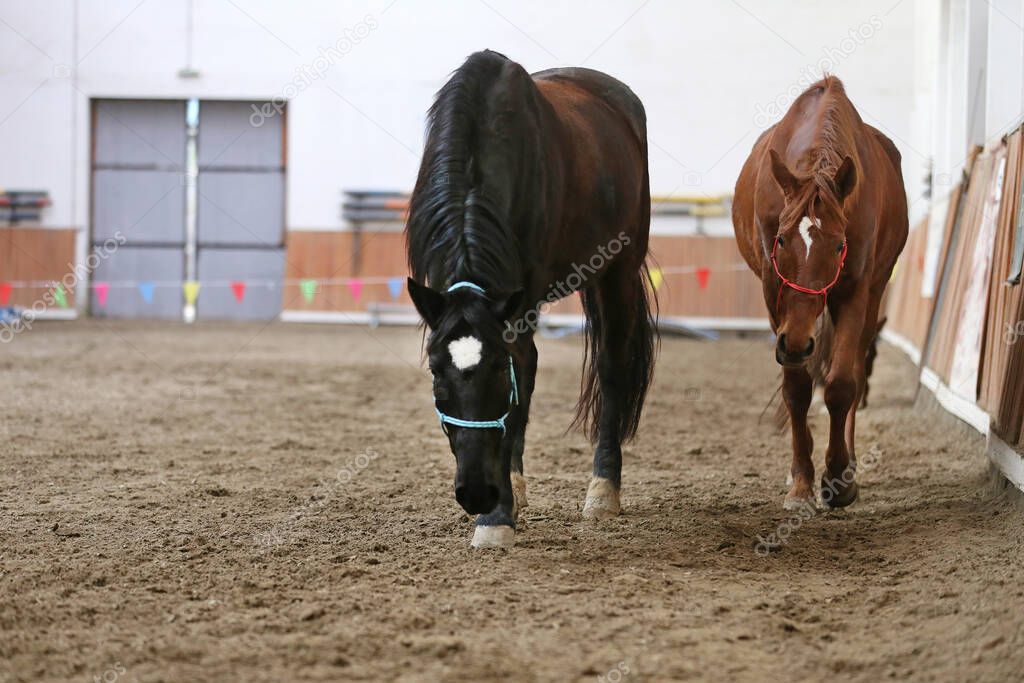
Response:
column 454, row 231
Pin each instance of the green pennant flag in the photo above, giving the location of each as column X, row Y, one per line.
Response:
column 59, row 296
column 308, row 289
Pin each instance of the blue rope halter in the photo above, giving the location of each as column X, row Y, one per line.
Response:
column 513, row 397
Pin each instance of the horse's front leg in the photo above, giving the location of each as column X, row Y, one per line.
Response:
column 797, row 389
column 497, row 528
column 843, row 388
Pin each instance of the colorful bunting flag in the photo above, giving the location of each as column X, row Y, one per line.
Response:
column 703, row 274
column 146, row 289
column 308, row 288
column 59, row 296
column 395, row 287
column 657, row 277
column 238, row 288
column 191, row 289
column 101, row 289
column 355, row 286
column 5, row 292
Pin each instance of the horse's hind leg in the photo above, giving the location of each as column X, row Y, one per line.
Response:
column 618, row 316
column 496, row 529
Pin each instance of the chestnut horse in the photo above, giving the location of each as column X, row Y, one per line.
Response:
column 820, row 214
column 531, row 188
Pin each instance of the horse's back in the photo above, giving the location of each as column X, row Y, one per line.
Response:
column 607, row 88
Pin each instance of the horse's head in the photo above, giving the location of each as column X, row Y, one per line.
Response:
column 807, row 253
column 474, row 382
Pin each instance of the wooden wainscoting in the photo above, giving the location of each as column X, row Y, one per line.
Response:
column 34, row 254
column 731, row 290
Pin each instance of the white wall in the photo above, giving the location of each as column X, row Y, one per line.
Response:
column 712, row 75
column 1005, row 98
column 978, row 96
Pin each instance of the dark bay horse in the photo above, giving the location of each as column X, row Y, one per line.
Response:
column 530, row 188
column 820, row 214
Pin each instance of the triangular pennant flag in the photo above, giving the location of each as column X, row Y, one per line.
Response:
column 702, row 277
column 355, row 285
column 395, row 287
column 657, row 277
column 101, row 289
column 5, row 292
column 191, row 290
column 146, row 289
column 238, row 288
column 59, row 296
column 308, row 289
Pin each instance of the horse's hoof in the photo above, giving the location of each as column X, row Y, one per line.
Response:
column 834, row 497
column 494, row 537
column 602, row 500
column 799, row 503
column 518, row 494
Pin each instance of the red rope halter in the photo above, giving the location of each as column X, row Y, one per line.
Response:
column 823, row 292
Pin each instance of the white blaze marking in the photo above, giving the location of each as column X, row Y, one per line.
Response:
column 805, row 233
column 466, row 352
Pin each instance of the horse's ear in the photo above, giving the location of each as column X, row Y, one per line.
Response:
column 428, row 302
column 783, row 176
column 506, row 305
column 845, row 178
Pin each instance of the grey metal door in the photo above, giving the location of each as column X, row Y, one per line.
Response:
column 240, row 211
column 138, row 201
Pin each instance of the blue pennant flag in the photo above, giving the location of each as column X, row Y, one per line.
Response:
column 395, row 287
column 146, row 290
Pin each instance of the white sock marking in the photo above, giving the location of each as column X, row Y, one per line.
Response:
column 466, row 352
column 805, row 233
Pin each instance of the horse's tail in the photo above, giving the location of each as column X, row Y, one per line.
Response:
column 818, row 364
column 636, row 371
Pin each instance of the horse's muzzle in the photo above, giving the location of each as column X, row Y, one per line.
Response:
column 476, row 498
column 786, row 357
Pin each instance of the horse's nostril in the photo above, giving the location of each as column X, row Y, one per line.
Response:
column 492, row 495
column 782, row 342
column 477, row 499
column 810, row 348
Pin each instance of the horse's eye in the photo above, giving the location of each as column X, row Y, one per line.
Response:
column 839, row 249
column 440, row 391
column 781, row 241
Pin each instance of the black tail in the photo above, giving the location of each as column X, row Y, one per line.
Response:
column 637, row 370
column 818, row 364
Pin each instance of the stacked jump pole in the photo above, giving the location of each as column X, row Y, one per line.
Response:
column 967, row 333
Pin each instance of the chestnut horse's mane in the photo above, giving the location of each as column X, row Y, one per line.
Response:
column 837, row 123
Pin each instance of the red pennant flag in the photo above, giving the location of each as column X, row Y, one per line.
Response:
column 101, row 289
column 5, row 292
column 702, row 277
column 355, row 285
column 238, row 288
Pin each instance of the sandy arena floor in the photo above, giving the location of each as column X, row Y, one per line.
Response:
column 245, row 503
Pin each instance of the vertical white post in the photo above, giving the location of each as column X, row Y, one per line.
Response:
column 191, row 203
